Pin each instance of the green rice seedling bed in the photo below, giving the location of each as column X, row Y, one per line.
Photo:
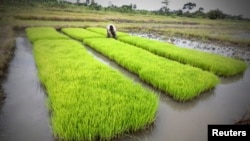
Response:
column 182, row 82
column 40, row 33
column 220, row 65
column 80, row 33
column 103, row 31
column 89, row 100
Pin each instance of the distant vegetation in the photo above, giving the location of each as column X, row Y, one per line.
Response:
column 185, row 11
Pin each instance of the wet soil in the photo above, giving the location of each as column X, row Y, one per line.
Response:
column 237, row 52
column 24, row 115
column 242, row 53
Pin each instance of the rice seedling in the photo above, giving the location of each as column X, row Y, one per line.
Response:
column 80, row 33
column 182, row 82
column 89, row 100
column 103, row 31
column 39, row 33
column 220, row 65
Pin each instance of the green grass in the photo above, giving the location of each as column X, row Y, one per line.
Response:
column 40, row 33
column 182, row 82
column 80, row 33
column 88, row 100
column 220, row 65
column 103, row 31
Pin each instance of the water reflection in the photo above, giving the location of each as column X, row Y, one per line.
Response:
column 24, row 116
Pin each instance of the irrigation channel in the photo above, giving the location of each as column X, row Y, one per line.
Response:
column 24, row 115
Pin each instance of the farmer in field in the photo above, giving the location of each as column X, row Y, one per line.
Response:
column 111, row 31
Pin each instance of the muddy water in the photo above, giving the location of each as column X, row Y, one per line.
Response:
column 188, row 121
column 24, row 116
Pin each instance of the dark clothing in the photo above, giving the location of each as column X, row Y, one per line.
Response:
column 111, row 31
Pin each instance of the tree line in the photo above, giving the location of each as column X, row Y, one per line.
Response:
column 185, row 11
column 188, row 7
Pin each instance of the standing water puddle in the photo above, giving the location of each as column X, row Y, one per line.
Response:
column 24, row 115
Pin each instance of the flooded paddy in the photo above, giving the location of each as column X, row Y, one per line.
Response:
column 24, row 115
column 188, row 121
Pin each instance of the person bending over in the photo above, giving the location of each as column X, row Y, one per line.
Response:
column 111, row 31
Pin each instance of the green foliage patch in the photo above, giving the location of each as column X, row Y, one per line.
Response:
column 40, row 33
column 103, row 31
column 80, row 33
column 87, row 99
column 182, row 82
column 220, row 65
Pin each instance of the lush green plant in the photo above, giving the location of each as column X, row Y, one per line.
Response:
column 103, row 31
column 216, row 14
column 39, row 33
column 80, row 33
column 182, row 82
column 89, row 100
column 220, row 65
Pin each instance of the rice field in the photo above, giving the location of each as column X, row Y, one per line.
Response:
column 220, row 65
column 104, row 32
column 80, row 33
column 88, row 100
column 40, row 33
column 100, row 109
column 182, row 82
column 70, row 106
